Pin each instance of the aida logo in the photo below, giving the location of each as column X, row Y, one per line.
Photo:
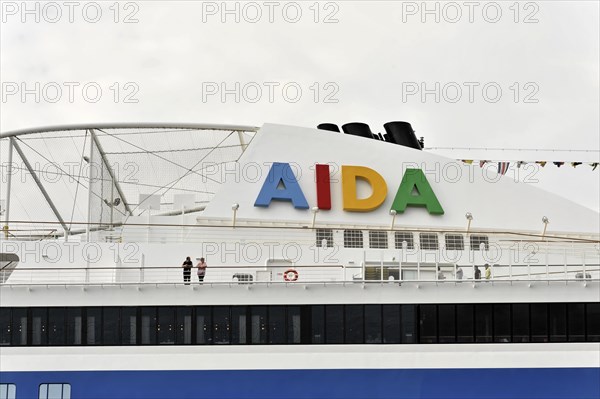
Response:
column 414, row 190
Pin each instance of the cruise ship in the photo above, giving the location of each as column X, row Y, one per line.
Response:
column 341, row 263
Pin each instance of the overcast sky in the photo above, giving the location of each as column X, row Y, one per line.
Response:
column 495, row 74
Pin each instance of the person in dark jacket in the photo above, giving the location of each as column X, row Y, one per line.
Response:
column 187, row 270
column 477, row 273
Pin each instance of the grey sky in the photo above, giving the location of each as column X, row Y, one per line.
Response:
column 366, row 62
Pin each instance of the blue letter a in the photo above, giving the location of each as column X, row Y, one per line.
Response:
column 281, row 174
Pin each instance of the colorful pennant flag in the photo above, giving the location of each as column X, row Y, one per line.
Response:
column 558, row 164
column 468, row 161
column 541, row 163
column 503, row 167
column 575, row 164
column 594, row 165
column 481, row 163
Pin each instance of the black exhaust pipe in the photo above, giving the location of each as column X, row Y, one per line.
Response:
column 332, row 127
column 358, row 129
column 402, row 133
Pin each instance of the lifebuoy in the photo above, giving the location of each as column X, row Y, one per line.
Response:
column 290, row 275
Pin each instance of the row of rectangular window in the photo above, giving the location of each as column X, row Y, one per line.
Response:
column 46, row 391
column 379, row 239
column 305, row 324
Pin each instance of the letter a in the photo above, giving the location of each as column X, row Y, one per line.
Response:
column 414, row 179
column 281, row 174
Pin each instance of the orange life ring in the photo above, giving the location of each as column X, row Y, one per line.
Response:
column 290, row 275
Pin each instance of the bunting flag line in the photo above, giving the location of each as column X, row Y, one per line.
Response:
column 503, row 167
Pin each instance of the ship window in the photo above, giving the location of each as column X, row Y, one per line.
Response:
column 334, row 324
column 354, row 324
column 56, row 326
column 400, row 237
column 74, row 328
column 277, row 325
column 318, row 324
column 165, row 326
column 129, row 326
column 476, row 240
column 327, row 235
column 539, row 322
column 446, row 324
column 221, row 325
column 378, row 239
column 183, row 333
column 8, row 391
column 55, row 391
column 94, row 326
column 557, row 318
column 520, row 322
column 483, row 323
column 353, row 239
column 391, row 324
column 373, row 324
column 5, row 328
column 465, row 323
column 294, row 325
column 110, row 326
column 576, row 322
column 20, row 324
column 593, row 322
column 39, row 326
column 148, row 326
column 429, row 241
column 203, row 325
column 409, row 324
column 428, row 324
column 239, row 325
column 258, row 322
column 501, row 322
column 454, row 241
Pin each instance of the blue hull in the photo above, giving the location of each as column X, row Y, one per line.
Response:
column 552, row 383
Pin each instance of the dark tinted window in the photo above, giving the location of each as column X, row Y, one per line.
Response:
column 221, row 325
column 203, row 325
column 465, row 323
column 39, row 326
column 391, row 324
column 576, row 322
column 378, row 239
column 294, row 325
column 111, row 328
column 539, row 322
column 318, row 324
column 183, row 333
column 373, row 324
column 353, row 239
column 454, row 242
column 277, row 325
column 5, row 326
column 93, row 326
column 557, row 320
column 428, row 324
column 56, row 326
column 148, row 326
column 483, row 323
column 429, row 241
column 165, row 326
column 19, row 326
column 129, row 326
column 446, row 323
column 334, row 324
column 239, row 325
column 520, row 322
column 354, row 324
column 74, row 326
column 502, row 323
column 400, row 237
column 408, row 330
column 593, row 322
column 258, row 325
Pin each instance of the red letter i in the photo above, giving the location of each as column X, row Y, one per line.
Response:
column 323, row 187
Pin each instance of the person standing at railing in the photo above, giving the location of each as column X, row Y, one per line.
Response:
column 459, row 273
column 201, row 270
column 477, row 275
column 187, row 270
column 488, row 271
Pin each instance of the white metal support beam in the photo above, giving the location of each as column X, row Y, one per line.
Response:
column 40, row 185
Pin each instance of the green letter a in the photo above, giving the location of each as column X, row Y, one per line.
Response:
column 414, row 179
